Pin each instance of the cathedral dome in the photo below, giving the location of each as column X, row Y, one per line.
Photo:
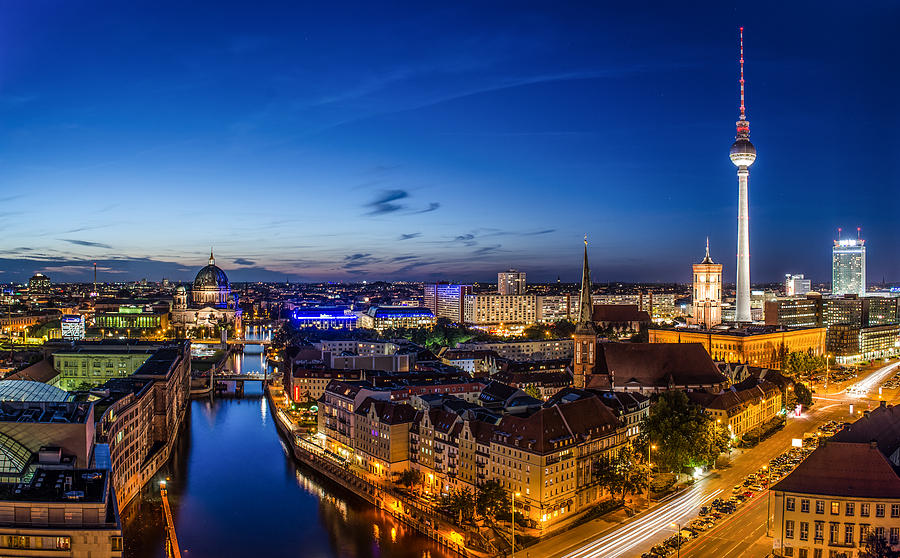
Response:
column 211, row 277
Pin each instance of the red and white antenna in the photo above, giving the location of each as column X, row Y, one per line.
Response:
column 742, row 75
column 857, row 232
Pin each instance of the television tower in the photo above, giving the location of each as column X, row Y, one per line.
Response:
column 742, row 155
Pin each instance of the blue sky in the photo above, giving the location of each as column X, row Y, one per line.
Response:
column 350, row 141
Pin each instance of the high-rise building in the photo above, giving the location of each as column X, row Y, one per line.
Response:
column 742, row 154
column 494, row 309
column 707, row 292
column 447, row 300
column 848, row 267
column 511, row 282
column 39, row 283
column 796, row 285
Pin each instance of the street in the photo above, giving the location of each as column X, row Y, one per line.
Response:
column 740, row 534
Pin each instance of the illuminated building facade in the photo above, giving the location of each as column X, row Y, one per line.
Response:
column 212, row 303
column 93, row 364
column 794, row 312
column 754, row 345
column 495, row 309
column 132, row 318
column 847, row 490
column 143, row 414
column 447, row 300
column 848, row 267
column 511, row 282
column 324, row 317
column 381, row 318
column 707, row 303
column 72, row 327
column 39, row 284
column 796, row 285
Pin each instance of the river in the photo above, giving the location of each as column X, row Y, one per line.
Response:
column 235, row 491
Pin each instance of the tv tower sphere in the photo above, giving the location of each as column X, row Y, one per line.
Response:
column 742, row 153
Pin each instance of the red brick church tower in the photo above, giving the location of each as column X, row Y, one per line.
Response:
column 585, row 356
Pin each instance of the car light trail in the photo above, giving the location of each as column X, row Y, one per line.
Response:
column 876, row 378
column 627, row 537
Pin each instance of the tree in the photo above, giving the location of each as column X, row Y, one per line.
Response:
column 683, row 433
column 713, row 441
column 533, row 391
column 621, row 472
column 410, row 478
column 876, row 547
column 491, row 498
column 459, row 503
column 802, row 362
column 802, row 395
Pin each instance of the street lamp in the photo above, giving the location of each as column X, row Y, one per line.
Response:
column 649, row 469
column 678, row 535
column 513, row 523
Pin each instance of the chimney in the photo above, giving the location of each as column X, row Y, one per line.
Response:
column 882, row 404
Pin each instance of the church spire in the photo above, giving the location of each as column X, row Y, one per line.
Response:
column 586, row 311
column 212, row 260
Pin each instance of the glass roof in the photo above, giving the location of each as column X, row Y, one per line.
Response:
column 25, row 390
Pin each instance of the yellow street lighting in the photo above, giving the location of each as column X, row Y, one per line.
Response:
column 512, row 523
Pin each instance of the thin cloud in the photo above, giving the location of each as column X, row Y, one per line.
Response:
column 466, row 239
column 244, row 261
column 409, row 236
column 433, row 206
column 384, row 204
column 85, row 243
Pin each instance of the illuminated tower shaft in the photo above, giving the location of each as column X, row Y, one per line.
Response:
column 742, row 155
column 742, row 303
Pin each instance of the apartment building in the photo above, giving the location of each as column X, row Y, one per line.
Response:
column 742, row 408
column 496, row 309
column 381, row 436
column 141, row 419
column 524, row 350
column 846, row 491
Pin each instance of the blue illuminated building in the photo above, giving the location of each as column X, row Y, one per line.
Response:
column 324, row 317
column 381, row 318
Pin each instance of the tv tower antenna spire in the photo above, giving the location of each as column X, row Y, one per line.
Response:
column 743, row 110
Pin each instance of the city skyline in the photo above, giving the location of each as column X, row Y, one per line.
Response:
column 299, row 145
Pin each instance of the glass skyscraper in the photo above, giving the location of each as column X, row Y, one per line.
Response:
column 848, row 267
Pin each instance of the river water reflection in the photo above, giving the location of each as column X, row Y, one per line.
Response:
column 235, row 491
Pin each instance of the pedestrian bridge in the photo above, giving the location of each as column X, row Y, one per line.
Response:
column 231, row 341
column 246, row 377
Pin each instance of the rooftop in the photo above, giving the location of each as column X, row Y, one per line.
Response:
column 44, row 412
column 844, row 469
column 48, row 485
column 24, row 390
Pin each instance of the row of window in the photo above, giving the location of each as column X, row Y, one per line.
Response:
column 865, row 508
column 834, row 532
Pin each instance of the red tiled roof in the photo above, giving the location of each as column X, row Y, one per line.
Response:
column 658, row 365
column 619, row 313
column 557, row 427
column 844, row 469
